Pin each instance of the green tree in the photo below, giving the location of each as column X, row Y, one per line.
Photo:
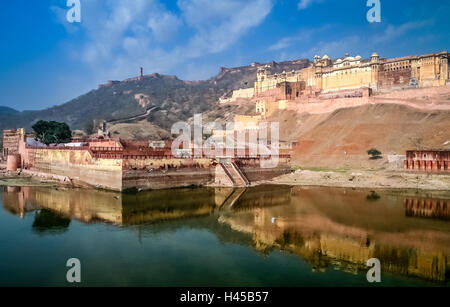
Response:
column 52, row 132
column 374, row 153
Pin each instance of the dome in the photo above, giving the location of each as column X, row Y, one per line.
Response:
column 374, row 54
column 358, row 57
column 325, row 57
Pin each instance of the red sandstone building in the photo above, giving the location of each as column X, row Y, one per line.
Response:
column 428, row 160
column 122, row 165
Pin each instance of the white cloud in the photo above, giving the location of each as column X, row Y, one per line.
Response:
column 355, row 43
column 393, row 32
column 219, row 24
column 60, row 16
column 164, row 26
column 124, row 35
column 336, row 48
column 304, row 4
column 303, row 36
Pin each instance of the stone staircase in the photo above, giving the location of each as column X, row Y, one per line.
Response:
column 241, row 174
column 235, row 174
column 232, row 198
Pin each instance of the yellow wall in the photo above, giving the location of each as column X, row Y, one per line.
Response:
column 161, row 163
column 429, row 70
column 353, row 77
column 78, row 165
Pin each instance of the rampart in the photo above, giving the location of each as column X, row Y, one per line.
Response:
column 79, row 165
column 121, row 165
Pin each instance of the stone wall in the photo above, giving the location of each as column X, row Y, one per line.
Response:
column 77, row 165
column 352, row 77
column 160, row 173
column 251, row 167
column 353, row 72
column 11, row 139
column 164, row 179
column 398, row 76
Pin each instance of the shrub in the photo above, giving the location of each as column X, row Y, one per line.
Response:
column 374, row 153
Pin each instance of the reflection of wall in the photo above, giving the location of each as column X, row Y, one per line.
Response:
column 429, row 208
column 324, row 227
column 161, row 205
column 92, row 205
column 15, row 200
column 264, row 196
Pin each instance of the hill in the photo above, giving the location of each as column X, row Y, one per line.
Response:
column 171, row 99
column 8, row 110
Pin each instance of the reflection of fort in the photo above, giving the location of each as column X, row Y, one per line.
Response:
column 326, row 227
column 132, row 209
column 95, row 206
column 427, row 208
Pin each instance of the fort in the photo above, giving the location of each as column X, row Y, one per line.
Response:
column 322, row 86
column 123, row 165
column 327, row 85
column 349, row 73
column 346, row 80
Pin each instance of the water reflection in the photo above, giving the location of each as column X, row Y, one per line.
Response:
column 343, row 228
column 49, row 222
column 427, row 208
column 91, row 206
column 339, row 228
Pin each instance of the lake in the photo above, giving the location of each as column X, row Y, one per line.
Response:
column 260, row 236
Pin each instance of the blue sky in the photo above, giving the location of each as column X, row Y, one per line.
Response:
column 46, row 61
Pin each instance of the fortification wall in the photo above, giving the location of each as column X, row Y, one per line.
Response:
column 76, row 165
column 353, row 77
column 161, row 173
column 397, row 76
column 251, row 167
column 243, row 93
column 164, row 179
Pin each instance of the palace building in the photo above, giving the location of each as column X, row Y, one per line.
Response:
column 348, row 73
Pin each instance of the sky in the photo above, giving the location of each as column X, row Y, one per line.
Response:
column 47, row 61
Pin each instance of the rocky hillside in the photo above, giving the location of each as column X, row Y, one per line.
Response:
column 175, row 99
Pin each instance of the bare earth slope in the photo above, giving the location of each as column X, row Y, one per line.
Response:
column 340, row 139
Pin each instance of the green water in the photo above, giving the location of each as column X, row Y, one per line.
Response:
column 262, row 236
